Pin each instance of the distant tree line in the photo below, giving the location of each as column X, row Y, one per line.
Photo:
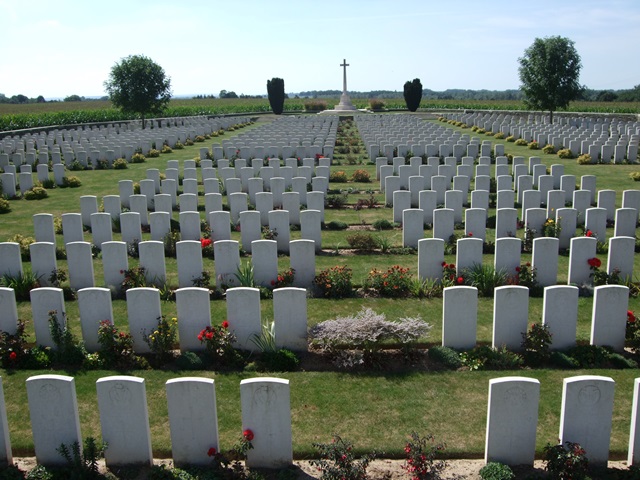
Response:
column 15, row 99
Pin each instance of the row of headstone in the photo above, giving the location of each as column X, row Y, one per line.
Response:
column 124, row 420
column 512, row 417
column 87, row 147
column 510, row 316
column 144, row 310
column 544, row 259
column 605, row 141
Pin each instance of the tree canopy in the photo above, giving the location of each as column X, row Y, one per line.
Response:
column 139, row 85
column 549, row 72
column 413, row 94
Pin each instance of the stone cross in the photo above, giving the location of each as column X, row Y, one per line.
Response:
column 344, row 75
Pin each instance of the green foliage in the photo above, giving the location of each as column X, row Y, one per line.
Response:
column 420, row 453
column 568, row 461
column 14, row 350
column 338, row 176
column 496, row 471
column 521, row 142
column 549, row 149
column 336, row 200
column 11, row 472
column 338, row 461
column 395, row 282
column 21, row 283
column 537, row 344
column 39, row 472
column 69, row 351
column 138, row 85
column 565, row 153
column 36, row 193
column 244, row 275
column 281, row 360
column 486, row 358
column 116, row 348
column 218, row 341
column 335, row 282
column 549, row 71
column 336, row 225
column 533, row 145
column 163, row 339
column 138, row 158
column 382, row 224
column 24, row 243
column 584, row 159
column 315, row 105
column 120, row 164
column 485, row 278
column 276, row 95
column 375, row 104
column 635, row 176
column 71, row 182
column 5, row 206
column 413, row 94
column 363, row 241
column 266, row 341
column 82, row 464
column 445, row 356
column 189, row 361
column 361, row 176
column 284, row 278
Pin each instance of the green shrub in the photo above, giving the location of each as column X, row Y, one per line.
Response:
column 549, row 149
column 71, row 182
column 589, row 356
column 334, row 282
column 383, row 224
column 420, row 458
column 167, row 149
column 521, row 142
column 484, row 357
column 338, row 461
column 565, row 153
column 375, row 104
column 499, row 136
column 189, row 361
column 120, row 164
column 635, row 176
column 281, row 360
column 584, row 159
column 199, row 138
column 445, row 356
column 485, row 278
column 511, row 138
column 481, row 130
column 338, row 176
column 496, row 471
column 363, row 241
column 568, row 461
column 153, row 153
column 315, row 105
column 537, row 344
column 361, row 176
column 336, row 225
column 336, row 200
column 36, row 193
column 137, row 158
column 5, row 206
column 562, row 360
column 533, row 145
column 395, row 282
column 24, row 243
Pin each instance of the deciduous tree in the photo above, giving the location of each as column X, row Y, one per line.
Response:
column 549, row 72
column 139, row 85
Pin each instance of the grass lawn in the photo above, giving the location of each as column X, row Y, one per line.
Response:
column 375, row 410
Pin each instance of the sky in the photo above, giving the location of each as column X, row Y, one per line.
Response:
column 58, row 48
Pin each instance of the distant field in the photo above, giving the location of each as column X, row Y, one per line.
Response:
column 15, row 117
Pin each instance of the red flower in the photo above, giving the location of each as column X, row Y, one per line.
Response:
column 589, row 233
column 407, row 449
column 13, row 356
column 471, row 234
column 225, row 324
column 594, row 262
column 444, row 264
column 518, row 269
column 452, row 265
column 205, row 242
column 248, row 435
column 273, row 282
column 460, row 280
column 631, row 318
column 200, row 337
column 211, row 452
column 209, row 335
column 528, row 264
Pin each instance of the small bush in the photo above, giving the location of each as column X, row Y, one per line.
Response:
column 338, row 176
column 116, row 347
column 496, row 471
column 315, row 105
column 336, row 225
column 24, row 243
column 361, row 176
column 120, row 164
column 168, row 149
column 189, row 361
column 499, row 136
column 445, row 356
column 5, row 206
column 635, row 176
column 521, row 142
column 537, row 344
column 510, row 138
column 153, row 153
column 36, row 193
column 218, row 341
column 138, row 158
column 162, row 340
column 363, row 241
column 549, row 149
column 589, row 356
column 383, row 224
column 485, row 278
column 376, row 104
column 281, row 360
column 533, row 145
column 568, row 461
column 71, row 182
column 421, row 452
column 395, row 282
column 486, row 358
column 565, row 153
column 584, row 159
column 335, row 282
column 338, row 462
